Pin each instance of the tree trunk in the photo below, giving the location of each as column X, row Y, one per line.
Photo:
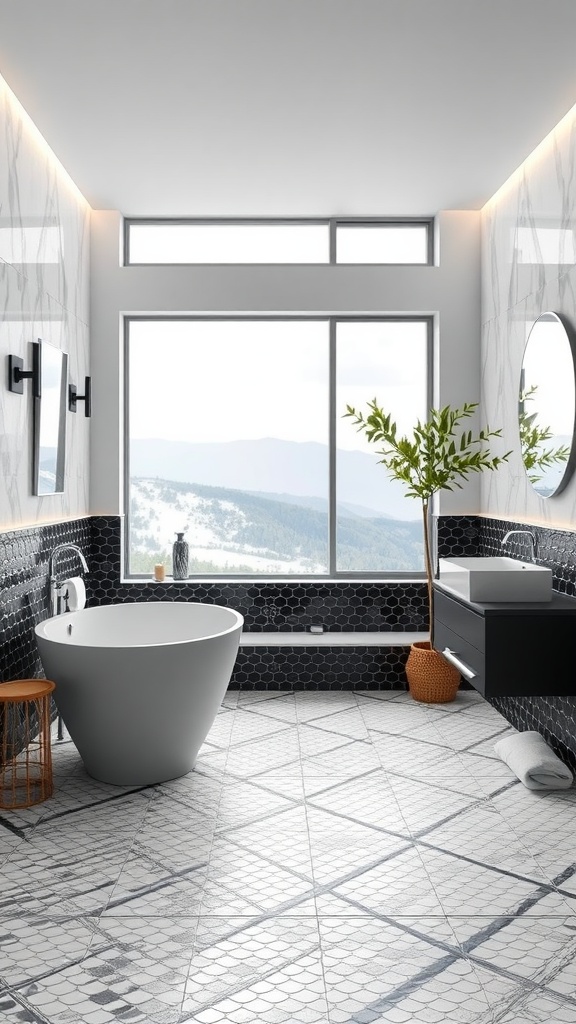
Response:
column 428, row 566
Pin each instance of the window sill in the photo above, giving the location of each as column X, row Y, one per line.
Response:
column 296, row 581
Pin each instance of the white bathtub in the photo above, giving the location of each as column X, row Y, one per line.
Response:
column 139, row 685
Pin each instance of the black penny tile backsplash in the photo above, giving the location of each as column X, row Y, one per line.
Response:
column 24, row 589
column 267, row 607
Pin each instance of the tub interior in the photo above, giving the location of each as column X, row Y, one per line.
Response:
column 139, row 625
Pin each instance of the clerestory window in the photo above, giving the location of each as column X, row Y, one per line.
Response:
column 235, row 241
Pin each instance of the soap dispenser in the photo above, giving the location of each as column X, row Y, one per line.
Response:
column 180, row 558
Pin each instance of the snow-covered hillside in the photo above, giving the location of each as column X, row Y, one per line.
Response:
column 213, row 527
column 234, row 531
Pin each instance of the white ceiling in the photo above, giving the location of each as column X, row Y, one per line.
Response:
column 290, row 107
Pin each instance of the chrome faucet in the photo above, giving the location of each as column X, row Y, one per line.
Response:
column 57, row 598
column 523, row 533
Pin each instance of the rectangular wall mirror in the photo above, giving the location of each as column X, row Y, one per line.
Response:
column 50, row 405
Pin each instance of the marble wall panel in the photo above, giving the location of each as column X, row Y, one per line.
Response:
column 44, row 293
column 528, row 266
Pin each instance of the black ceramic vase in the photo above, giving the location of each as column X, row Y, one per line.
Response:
column 180, row 558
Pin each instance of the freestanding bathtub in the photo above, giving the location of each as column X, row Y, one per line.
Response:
column 139, row 685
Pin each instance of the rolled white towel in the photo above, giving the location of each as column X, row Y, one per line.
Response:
column 532, row 760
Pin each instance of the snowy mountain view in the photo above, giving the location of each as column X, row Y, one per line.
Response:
column 255, row 531
column 251, row 455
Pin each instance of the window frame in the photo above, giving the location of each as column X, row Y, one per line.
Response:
column 332, row 319
column 332, row 224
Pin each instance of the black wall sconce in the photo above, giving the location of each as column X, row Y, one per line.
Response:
column 17, row 374
column 73, row 397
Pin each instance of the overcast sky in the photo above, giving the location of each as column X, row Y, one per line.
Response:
column 220, row 381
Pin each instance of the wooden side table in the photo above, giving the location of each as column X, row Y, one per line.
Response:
column 25, row 751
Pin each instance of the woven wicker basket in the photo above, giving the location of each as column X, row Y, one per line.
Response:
column 431, row 679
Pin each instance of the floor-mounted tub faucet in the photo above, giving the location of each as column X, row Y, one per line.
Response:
column 523, row 533
column 56, row 595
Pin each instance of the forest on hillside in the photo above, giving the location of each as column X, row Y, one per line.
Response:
column 242, row 523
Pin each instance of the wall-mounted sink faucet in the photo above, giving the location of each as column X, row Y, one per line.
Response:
column 523, row 533
column 56, row 596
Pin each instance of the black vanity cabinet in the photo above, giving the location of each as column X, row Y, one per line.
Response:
column 510, row 649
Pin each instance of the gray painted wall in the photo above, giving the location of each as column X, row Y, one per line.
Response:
column 449, row 291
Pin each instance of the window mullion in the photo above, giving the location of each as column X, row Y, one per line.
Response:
column 332, row 228
column 332, row 508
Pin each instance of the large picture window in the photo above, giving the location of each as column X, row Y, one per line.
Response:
column 235, row 437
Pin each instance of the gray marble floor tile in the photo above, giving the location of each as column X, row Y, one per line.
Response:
column 348, row 723
column 75, row 861
column 32, row 947
column 281, row 839
column 311, row 705
column 424, row 805
column 192, row 792
column 481, row 833
column 463, row 732
column 230, row 699
column 512, row 1002
column 434, row 929
column 485, row 746
column 474, row 890
column 415, row 756
column 238, row 875
column 483, row 765
column 399, row 886
column 249, row 759
column 333, row 858
column 341, row 849
column 293, row 995
column 539, row 949
column 174, row 837
column 242, row 803
column 395, row 717
column 212, row 761
column 116, row 980
column 248, row 726
column 247, row 697
column 52, row 881
column 345, row 761
column 465, row 700
column 281, row 709
column 376, row 971
column 9, row 841
column 369, row 800
column 147, row 889
column 374, row 695
column 269, row 971
column 315, row 741
column 286, row 784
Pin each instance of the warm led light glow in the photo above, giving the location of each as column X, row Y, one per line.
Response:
column 35, row 524
column 37, row 139
column 542, row 152
column 531, row 520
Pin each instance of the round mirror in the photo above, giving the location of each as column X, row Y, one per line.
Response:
column 546, row 404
